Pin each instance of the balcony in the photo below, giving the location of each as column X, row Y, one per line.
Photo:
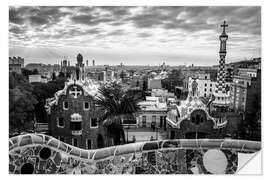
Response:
column 76, row 117
column 76, row 132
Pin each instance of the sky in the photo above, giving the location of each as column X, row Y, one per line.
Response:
column 133, row 35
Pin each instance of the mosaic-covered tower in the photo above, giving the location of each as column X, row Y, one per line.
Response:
column 221, row 101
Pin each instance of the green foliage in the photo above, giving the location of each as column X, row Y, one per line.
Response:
column 250, row 126
column 115, row 104
column 175, row 78
column 26, row 72
column 43, row 91
column 21, row 103
column 253, row 118
column 53, row 76
column 113, row 101
column 35, row 71
column 122, row 75
column 61, row 75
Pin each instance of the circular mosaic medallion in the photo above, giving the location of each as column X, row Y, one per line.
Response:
column 27, row 168
column 215, row 161
column 45, row 153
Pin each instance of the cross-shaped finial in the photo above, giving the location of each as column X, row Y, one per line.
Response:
column 75, row 92
column 224, row 25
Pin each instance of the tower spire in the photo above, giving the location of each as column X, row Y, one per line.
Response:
column 221, row 101
column 221, row 86
column 221, row 96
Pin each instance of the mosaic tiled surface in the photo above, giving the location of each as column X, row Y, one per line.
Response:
column 40, row 154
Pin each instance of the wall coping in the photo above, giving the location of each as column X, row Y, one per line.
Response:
column 29, row 140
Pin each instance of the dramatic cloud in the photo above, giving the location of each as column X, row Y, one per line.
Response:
column 109, row 33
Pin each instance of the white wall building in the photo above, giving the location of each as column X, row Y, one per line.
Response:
column 238, row 92
column 152, row 113
column 37, row 78
column 247, row 72
column 154, row 84
column 206, row 87
column 162, row 93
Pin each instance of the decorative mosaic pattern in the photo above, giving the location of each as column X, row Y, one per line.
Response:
column 40, row 154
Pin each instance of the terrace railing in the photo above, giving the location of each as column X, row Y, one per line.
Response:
column 42, row 154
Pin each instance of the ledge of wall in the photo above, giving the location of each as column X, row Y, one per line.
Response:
column 44, row 154
column 96, row 154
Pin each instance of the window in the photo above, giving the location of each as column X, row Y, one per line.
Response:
column 76, row 126
column 61, row 138
column 193, row 119
column 210, row 85
column 129, row 120
column 205, row 84
column 205, row 77
column 198, row 118
column 60, row 122
column 74, row 142
column 202, row 119
column 220, row 130
column 205, row 89
column 154, row 119
column 93, row 123
column 88, row 144
column 204, row 95
column 86, row 105
column 65, row 105
column 144, row 121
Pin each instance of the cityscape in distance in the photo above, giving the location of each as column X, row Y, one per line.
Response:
column 134, row 89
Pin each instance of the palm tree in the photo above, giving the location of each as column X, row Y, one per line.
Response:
column 114, row 105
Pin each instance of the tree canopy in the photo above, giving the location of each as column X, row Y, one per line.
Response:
column 43, row 91
column 115, row 104
column 21, row 103
column 175, row 78
column 113, row 101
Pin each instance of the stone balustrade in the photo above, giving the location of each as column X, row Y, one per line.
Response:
column 42, row 154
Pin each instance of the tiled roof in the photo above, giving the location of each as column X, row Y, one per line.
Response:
column 90, row 89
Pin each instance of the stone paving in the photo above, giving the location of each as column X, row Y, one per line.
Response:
column 41, row 154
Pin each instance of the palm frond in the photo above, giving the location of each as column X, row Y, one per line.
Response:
column 113, row 103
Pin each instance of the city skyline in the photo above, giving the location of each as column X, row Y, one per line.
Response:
column 175, row 35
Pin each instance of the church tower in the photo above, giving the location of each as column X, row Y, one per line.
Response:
column 222, row 98
column 79, row 68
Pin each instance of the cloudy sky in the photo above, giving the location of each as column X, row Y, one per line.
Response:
column 133, row 35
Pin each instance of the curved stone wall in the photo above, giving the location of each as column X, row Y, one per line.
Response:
column 41, row 154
